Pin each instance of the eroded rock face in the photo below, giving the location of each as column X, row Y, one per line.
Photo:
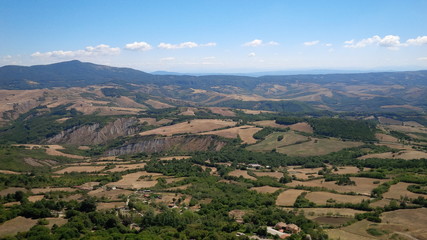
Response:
column 94, row 134
column 176, row 143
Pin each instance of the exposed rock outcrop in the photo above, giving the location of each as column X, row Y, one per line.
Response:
column 94, row 134
column 150, row 144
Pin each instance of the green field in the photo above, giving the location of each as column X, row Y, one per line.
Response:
column 317, row 147
column 271, row 141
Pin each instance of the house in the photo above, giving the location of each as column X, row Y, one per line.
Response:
column 280, row 225
column 275, row 232
column 293, row 228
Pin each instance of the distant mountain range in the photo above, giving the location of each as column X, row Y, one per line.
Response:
column 338, row 91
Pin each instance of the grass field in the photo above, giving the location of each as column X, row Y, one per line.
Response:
column 277, row 175
column 18, row 224
column 405, row 154
column 317, row 147
column 400, row 190
column 136, row 181
column 194, row 126
column 271, row 141
column 265, row 189
column 112, row 195
column 363, row 185
column 238, row 173
column 125, row 167
column 288, row 197
column 321, row 198
column 109, row 205
column 303, row 173
column 319, row 212
column 52, row 189
column 244, row 132
column 80, row 169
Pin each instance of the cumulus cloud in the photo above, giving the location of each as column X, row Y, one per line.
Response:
column 252, row 54
column 312, row 43
column 138, row 46
column 328, row 44
column 185, row 45
column 390, row 41
column 99, row 50
column 422, row 59
column 421, row 40
column 259, row 42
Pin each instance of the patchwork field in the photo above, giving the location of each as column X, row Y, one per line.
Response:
column 11, row 190
column 226, row 112
column 265, row 189
column 303, row 173
column 136, row 180
column 244, row 132
column 174, row 157
column 125, row 167
column 400, row 190
column 322, row 198
column 271, row 141
column 277, row 175
column 52, row 189
column 238, row 173
column 153, row 121
column 317, row 147
column 18, row 224
column 319, row 212
column 363, row 185
column 288, row 197
column 80, row 169
column 194, row 126
column 51, row 150
column 109, row 205
column 113, row 195
column 406, row 154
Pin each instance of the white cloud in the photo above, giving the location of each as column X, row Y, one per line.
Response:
column 422, row 59
column 259, row 42
column 273, row 43
column 167, row 59
column 252, row 54
column 138, row 46
column 328, row 45
column 390, row 41
column 185, row 45
column 101, row 49
column 417, row 41
column 312, row 43
column 254, row 43
column 209, row 58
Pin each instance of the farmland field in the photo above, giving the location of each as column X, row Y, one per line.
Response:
column 317, row 147
column 238, row 173
column 245, row 133
column 288, row 197
column 194, row 126
column 271, row 141
column 265, row 189
column 322, row 198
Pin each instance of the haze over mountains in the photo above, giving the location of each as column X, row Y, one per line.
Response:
column 339, row 92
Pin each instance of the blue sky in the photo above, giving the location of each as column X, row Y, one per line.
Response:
column 217, row 36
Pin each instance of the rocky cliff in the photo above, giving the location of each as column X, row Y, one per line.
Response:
column 152, row 144
column 94, row 134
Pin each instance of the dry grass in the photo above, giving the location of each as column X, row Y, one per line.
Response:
column 183, row 187
column 288, row 197
column 52, row 189
column 381, row 203
column 11, row 190
column 265, row 189
column 109, row 205
column 322, row 198
column 254, row 112
column 174, row 157
column 318, row 212
column 125, row 167
column 18, row 224
column 112, row 195
column 270, row 142
column 195, row 126
column 406, row 154
column 244, row 132
column 157, row 105
column 238, row 173
column 386, row 138
column 347, row 170
column 154, row 122
column 9, row 172
column 80, row 169
column 277, row 175
column 51, row 150
column 363, row 185
column 303, row 173
column 35, row 198
column 410, row 221
column 400, row 190
column 269, row 123
column 317, row 147
column 406, row 129
column 57, row 221
column 134, row 180
column 222, row 111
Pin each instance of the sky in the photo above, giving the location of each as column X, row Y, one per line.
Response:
column 217, row 36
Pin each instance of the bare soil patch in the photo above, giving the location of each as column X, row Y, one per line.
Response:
column 288, row 197
column 194, row 126
column 265, row 189
column 346, row 170
column 35, row 198
column 363, row 185
column 18, row 224
column 9, row 172
column 80, row 169
column 244, row 174
column 322, row 198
